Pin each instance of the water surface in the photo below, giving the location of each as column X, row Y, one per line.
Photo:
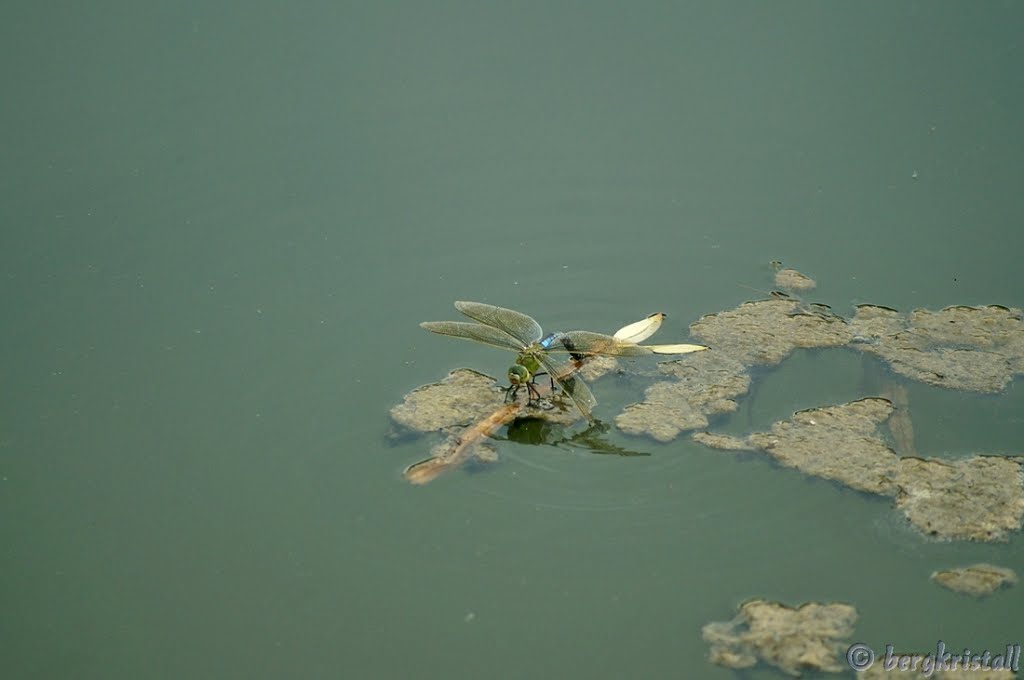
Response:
column 222, row 225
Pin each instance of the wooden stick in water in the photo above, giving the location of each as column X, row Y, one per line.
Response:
column 459, row 447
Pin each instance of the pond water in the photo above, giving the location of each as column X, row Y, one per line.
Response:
column 223, row 224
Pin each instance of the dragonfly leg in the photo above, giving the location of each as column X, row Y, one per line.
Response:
column 532, row 393
column 510, row 392
column 550, row 378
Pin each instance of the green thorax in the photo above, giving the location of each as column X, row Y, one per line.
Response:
column 528, row 359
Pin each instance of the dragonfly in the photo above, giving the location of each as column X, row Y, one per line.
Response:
column 560, row 354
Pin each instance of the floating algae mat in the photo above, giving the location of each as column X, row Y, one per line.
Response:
column 979, row 498
column 792, row 280
column 767, row 331
column 977, row 580
column 966, row 348
column 706, row 384
column 456, row 401
column 811, row 637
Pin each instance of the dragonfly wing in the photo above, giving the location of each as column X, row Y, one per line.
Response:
column 518, row 325
column 676, row 349
column 474, row 331
column 586, row 342
column 641, row 330
column 573, row 385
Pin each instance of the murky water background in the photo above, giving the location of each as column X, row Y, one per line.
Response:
column 222, row 225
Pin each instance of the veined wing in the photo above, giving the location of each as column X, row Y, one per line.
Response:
column 474, row 331
column 573, row 385
column 516, row 324
column 586, row 342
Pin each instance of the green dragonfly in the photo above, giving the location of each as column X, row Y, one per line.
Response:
column 517, row 332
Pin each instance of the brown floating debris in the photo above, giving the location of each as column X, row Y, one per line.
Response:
column 461, row 445
column 837, row 442
column 767, row 331
column 966, row 348
column 900, row 426
column 705, row 384
column 792, row 280
column 812, row 637
column 977, row 580
column 979, row 498
column 458, row 399
column 663, row 414
column 725, row 442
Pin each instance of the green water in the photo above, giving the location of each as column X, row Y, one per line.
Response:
column 222, row 224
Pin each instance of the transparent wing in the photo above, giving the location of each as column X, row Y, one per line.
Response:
column 573, row 385
column 518, row 325
column 586, row 342
column 474, row 331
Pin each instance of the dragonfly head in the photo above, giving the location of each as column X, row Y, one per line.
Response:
column 518, row 375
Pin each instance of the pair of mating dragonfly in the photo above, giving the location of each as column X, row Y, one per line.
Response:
column 560, row 355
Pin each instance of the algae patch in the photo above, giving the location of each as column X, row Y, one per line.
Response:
column 979, row 498
column 705, row 384
column 978, row 349
column 457, row 399
column 977, row 580
column 811, row 637
column 790, row 279
column 967, row 348
column 838, row 442
column 767, row 331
